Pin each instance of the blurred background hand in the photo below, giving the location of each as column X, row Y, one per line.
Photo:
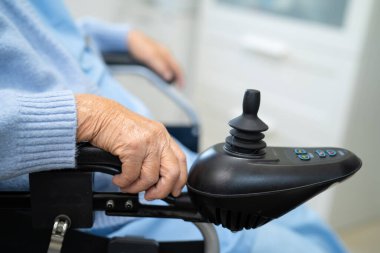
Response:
column 155, row 56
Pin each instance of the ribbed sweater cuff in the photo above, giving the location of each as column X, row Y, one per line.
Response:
column 46, row 131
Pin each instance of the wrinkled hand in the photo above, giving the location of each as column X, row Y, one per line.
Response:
column 155, row 56
column 151, row 159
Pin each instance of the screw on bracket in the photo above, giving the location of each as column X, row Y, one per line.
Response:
column 128, row 204
column 110, row 204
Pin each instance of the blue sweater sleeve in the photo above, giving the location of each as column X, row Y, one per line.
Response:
column 107, row 36
column 37, row 132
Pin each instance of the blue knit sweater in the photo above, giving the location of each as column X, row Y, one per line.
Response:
column 44, row 59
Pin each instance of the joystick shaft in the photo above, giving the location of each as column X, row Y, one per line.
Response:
column 246, row 137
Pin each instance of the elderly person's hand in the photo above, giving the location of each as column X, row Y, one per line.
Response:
column 155, row 56
column 151, row 159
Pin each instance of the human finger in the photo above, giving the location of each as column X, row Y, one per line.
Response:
column 174, row 67
column 169, row 175
column 161, row 66
column 131, row 169
column 183, row 169
column 149, row 175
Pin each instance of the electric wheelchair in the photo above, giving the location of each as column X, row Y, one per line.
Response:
column 239, row 184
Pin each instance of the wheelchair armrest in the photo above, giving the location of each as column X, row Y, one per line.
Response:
column 95, row 159
column 66, row 196
column 70, row 192
column 120, row 58
column 126, row 59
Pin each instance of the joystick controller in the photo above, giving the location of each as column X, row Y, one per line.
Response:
column 246, row 133
column 242, row 183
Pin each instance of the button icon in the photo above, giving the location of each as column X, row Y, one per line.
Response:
column 331, row 152
column 300, row 151
column 320, row 153
column 304, row 157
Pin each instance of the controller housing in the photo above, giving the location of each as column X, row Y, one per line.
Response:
column 243, row 183
column 246, row 193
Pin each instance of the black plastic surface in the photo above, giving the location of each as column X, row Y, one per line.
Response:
column 218, row 172
column 246, row 135
column 249, row 121
column 67, row 192
column 244, row 192
column 96, row 159
column 132, row 245
column 248, row 192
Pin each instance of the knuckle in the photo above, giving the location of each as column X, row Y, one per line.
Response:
column 174, row 174
column 150, row 180
column 159, row 130
column 136, row 187
column 160, row 127
column 132, row 190
column 120, row 182
column 162, row 194
column 128, row 149
column 184, row 180
column 131, row 178
column 134, row 145
column 121, row 185
column 129, row 174
column 182, row 158
column 125, row 182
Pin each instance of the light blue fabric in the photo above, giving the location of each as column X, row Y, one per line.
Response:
column 37, row 116
column 107, row 36
column 58, row 21
column 298, row 231
column 44, row 60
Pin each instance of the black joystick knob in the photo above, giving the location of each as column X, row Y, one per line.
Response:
column 246, row 137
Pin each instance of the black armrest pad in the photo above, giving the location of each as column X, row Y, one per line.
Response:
column 124, row 58
column 120, row 58
column 96, row 159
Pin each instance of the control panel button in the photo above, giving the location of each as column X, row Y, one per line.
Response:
column 331, row 152
column 320, row 153
column 300, row 151
column 304, row 157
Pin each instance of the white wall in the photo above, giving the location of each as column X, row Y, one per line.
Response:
column 363, row 137
column 170, row 23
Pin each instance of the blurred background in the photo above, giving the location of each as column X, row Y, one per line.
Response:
column 316, row 64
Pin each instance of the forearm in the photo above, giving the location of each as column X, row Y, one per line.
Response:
column 37, row 132
column 107, row 36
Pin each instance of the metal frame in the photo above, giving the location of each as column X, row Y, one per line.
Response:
column 161, row 85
